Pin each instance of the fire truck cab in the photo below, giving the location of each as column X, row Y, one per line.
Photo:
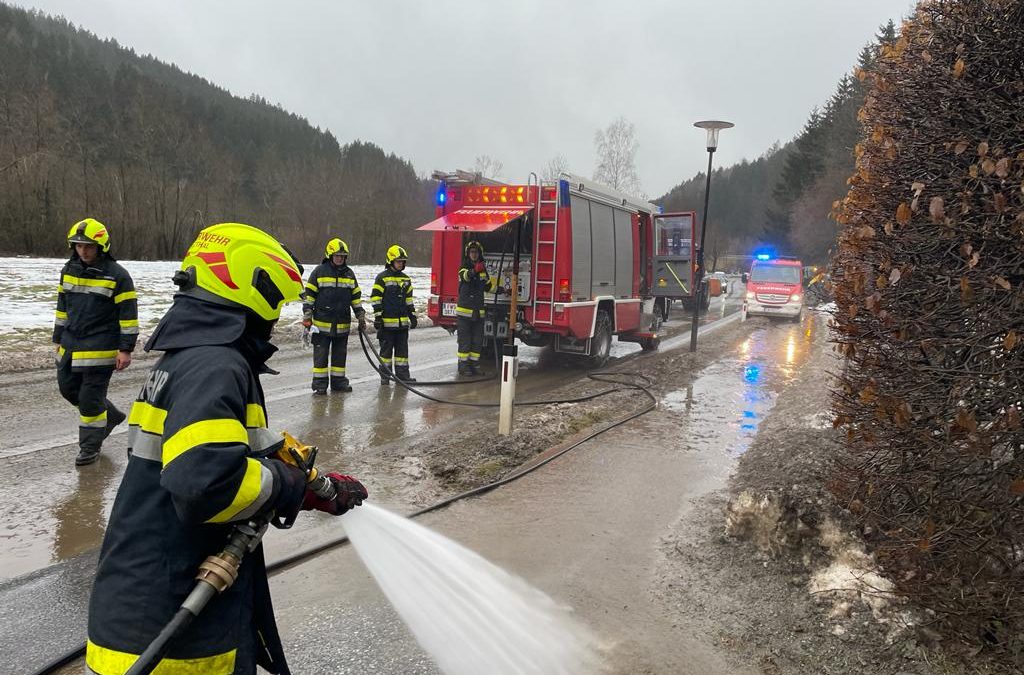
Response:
column 586, row 263
column 774, row 287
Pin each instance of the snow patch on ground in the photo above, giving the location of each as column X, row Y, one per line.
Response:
column 853, row 576
column 819, row 420
column 28, row 292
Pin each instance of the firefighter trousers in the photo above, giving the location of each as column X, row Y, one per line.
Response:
column 333, row 350
column 471, row 339
column 86, row 389
column 395, row 344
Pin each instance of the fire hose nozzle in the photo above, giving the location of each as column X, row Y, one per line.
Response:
column 322, row 487
column 303, row 456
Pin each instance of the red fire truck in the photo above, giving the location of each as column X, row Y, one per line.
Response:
column 586, row 260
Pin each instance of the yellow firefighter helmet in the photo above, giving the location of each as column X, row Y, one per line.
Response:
column 396, row 252
column 244, row 266
column 89, row 231
column 335, row 246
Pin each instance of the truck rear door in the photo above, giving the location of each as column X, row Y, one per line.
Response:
column 674, row 254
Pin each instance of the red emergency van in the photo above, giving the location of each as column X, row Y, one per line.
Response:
column 774, row 287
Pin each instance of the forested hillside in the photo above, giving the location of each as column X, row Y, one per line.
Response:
column 89, row 128
column 784, row 198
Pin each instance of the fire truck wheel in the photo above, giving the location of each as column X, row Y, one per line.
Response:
column 601, row 343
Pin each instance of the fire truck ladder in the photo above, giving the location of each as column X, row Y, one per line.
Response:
column 544, row 259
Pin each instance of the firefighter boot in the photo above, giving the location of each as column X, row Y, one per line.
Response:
column 402, row 373
column 475, row 369
column 87, row 456
column 385, row 376
column 114, row 417
column 465, row 368
column 340, row 384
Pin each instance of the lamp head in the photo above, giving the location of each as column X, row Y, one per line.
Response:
column 713, row 127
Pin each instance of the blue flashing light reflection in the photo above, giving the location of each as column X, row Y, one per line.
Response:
column 752, row 374
column 763, row 256
column 440, row 197
column 748, row 427
column 750, row 414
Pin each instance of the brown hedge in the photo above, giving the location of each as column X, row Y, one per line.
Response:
column 929, row 286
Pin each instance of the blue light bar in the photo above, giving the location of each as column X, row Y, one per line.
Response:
column 763, row 256
column 441, row 197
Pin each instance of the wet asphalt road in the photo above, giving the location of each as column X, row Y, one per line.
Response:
column 54, row 514
column 589, row 529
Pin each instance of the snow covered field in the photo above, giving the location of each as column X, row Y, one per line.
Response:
column 28, row 293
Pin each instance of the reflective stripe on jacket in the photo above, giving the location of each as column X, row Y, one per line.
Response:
column 332, row 294
column 472, row 286
column 97, row 312
column 392, row 298
column 197, row 444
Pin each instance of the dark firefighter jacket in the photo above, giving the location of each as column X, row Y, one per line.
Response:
column 472, row 286
column 196, row 435
column 97, row 314
column 332, row 294
column 392, row 298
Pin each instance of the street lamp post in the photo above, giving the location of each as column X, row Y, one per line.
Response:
column 712, row 127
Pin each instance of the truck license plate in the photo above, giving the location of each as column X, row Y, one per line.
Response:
column 447, row 309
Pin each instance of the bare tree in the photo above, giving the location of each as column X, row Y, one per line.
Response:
column 616, row 148
column 554, row 168
column 488, row 167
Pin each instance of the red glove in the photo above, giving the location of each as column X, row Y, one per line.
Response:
column 307, row 322
column 350, row 493
column 479, row 268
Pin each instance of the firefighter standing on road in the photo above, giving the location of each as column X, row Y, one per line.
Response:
column 332, row 295
column 393, row 313
column 199, row 461
column 474, row 281
column 95, row 329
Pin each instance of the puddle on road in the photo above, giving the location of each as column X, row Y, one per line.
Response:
column 731, row 397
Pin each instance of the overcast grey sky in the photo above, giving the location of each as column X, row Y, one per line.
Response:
column 440, row 82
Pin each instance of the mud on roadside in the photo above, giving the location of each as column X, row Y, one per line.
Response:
column 772, row 568
column 473, row 455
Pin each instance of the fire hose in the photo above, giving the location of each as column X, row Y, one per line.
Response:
column 377, row 363
column 179, row 622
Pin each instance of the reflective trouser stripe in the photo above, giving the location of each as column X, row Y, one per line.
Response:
column 93, row 421
column 474, row 356
column 401, row 360
column 462, row 355
column 104, row 661
column 337, row 370
column 319, row 372
column 463, row 311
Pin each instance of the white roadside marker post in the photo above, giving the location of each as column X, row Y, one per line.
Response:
column 510, row 351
